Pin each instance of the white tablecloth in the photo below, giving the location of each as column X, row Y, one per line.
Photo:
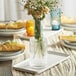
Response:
column 66, row 68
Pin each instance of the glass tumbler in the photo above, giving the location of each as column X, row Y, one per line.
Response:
column 55, row 18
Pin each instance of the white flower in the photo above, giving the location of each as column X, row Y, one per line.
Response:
column 38, row 8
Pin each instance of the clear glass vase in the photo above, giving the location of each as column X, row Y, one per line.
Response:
column 38, row 47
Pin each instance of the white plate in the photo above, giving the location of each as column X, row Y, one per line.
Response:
column 10, row 55
column 11, row 32
column 68, row 45
column 69, row 27
column 53, row 59
column 24, row 37
column 5, row 54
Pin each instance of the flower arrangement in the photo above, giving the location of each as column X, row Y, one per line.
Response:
column 38, row 8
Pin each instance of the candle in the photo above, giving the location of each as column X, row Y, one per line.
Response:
column 55, row 25
column 56, row 18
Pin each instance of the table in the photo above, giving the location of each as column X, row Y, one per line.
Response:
column 66, row 68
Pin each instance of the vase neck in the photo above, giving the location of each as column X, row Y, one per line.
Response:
column 38, row 29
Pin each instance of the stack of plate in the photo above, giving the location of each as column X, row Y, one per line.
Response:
column 69, row 44
column 70, row 27
column 68, row 40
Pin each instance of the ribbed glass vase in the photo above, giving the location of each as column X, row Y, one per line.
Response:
column 38, row 46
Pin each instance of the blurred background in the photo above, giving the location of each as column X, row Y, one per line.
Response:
column 13, row 9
